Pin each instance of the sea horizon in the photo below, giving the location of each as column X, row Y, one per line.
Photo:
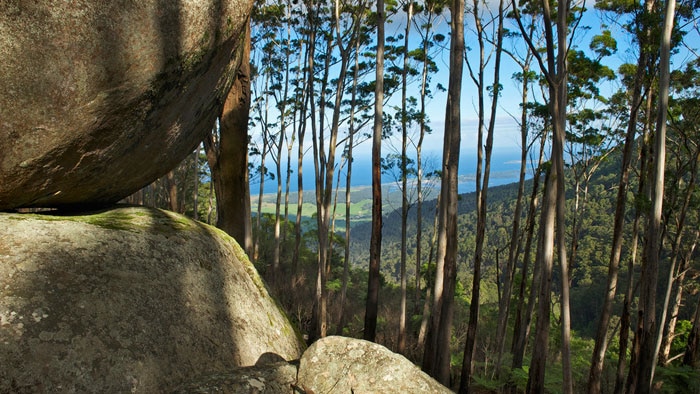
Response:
column 505, row 169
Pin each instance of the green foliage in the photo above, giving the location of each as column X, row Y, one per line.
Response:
column 678, row 379
column 604, row 44
column 334, row 285
column 585, row 74
column 680, row 339
column 492, row 385
column 519, row 376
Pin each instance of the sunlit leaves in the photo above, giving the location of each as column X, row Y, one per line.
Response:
column 604, row 44
column 585, row 74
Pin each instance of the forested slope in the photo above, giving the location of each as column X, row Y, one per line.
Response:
column 592, row 251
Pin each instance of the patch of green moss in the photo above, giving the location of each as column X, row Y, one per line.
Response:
column 111, row 220
column 133, row 219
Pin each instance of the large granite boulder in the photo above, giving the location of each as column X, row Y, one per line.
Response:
column 100, row 97
column 130, row 299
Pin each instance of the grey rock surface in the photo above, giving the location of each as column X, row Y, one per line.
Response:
column 98, row 98
column 345, row 365
column 276, row 378
column 129, row 300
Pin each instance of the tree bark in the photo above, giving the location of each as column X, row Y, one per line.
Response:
column 521, row 325
column 626, row 316
column 437, row 351
column 323, row 170
column 482, row 192
column 664, row 357
column 515, row 235
column 555, row 72
column 601, row 338
column 172, row 191
column 375, row 246
column 228, row 157
column 675, row 278
column 195, row 189
column 690, row 358
column 404, row 183
column 650, row 264
column 307, row 97
column 348, row 202
column 426, row 319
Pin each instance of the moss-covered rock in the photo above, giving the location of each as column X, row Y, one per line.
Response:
column 129, row 299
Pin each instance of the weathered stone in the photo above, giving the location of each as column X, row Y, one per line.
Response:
column 131, row 299
column 100, row 97
column 344, row 365
column 276, row 378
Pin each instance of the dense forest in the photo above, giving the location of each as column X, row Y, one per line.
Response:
column 582, row 276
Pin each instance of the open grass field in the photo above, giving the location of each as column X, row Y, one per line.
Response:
column 360, row 207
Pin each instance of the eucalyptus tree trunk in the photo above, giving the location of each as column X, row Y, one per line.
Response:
column 540, row 349
column 375, row 244
column 516, row 234
column 334, row 212
column 555, row 72
column 423, row 129
column 650, row 264
column 195, row 189
column 429, row 299
column 278, row 200
column 419, row 197
column 264, row 114
column 404, row 182
column 674, row 286
column 524, row 312
column 318, row 317
column 348, row 202
column 559, row 105
column 482, row 185
column 690, row 357
column 282, row 106
column 172, row 191
column 436, row 360
column 307, row 98
column 601, row 339
column 291, row 139
column 665, row 353
column 288, row 182
column 227, row 156
column 625, row 318
column 324, row 178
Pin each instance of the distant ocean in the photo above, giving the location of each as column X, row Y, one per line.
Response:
column 505, row 167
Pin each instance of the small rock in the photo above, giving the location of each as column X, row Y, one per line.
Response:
column 343, row 365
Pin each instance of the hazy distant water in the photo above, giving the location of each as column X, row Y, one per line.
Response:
column 505, row 167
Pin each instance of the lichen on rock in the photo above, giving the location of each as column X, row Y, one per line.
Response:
column 343, row 365
column 128, row 299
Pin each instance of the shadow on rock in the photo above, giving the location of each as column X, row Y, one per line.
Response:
column 128, row 299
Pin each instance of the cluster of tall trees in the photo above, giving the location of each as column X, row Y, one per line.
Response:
column 324, row 78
